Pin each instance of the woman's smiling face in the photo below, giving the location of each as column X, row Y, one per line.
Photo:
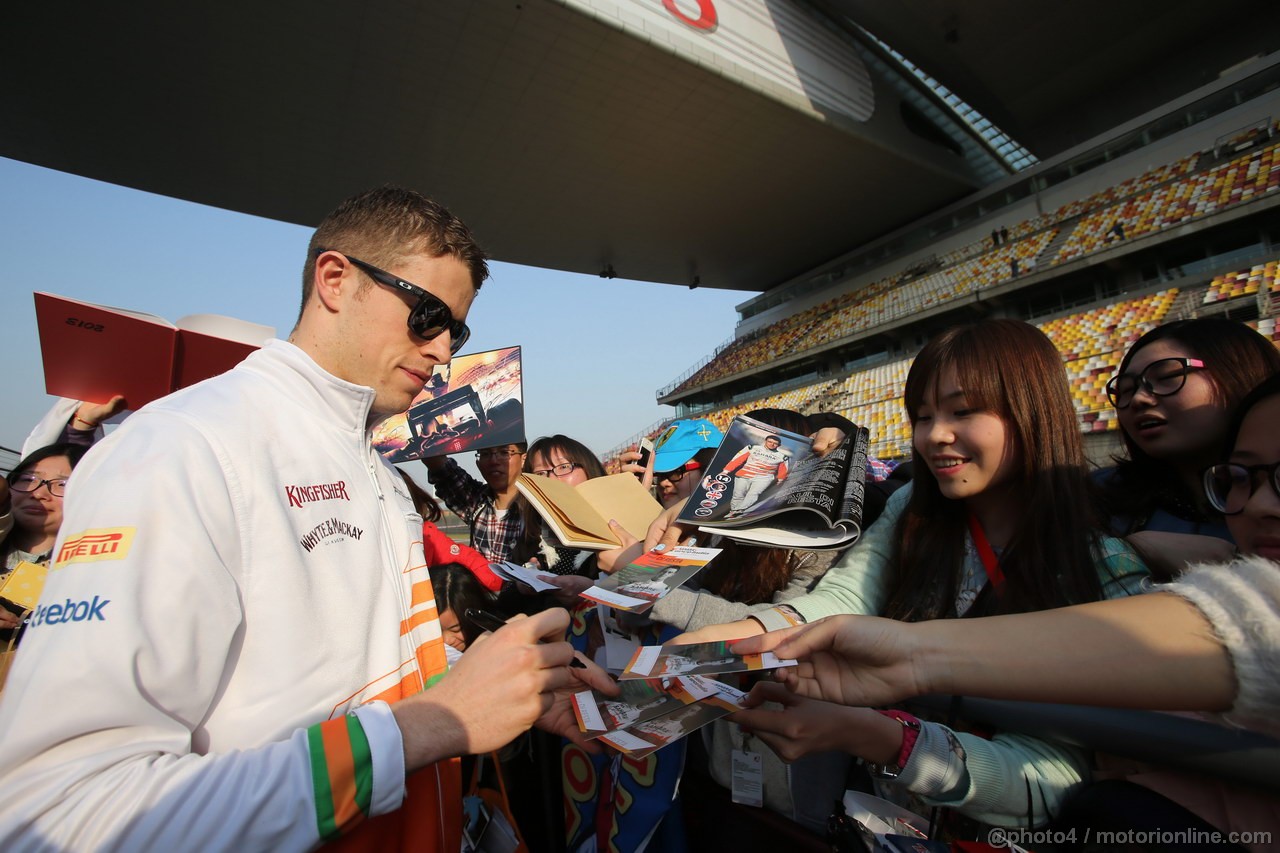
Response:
column 966, row 449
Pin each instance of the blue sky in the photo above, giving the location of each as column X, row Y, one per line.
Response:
column 594, row 350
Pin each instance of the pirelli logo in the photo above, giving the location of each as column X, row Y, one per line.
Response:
column 107, row 544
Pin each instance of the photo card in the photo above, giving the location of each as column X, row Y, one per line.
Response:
column 697, row 659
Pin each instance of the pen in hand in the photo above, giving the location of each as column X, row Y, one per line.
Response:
column 492, row 622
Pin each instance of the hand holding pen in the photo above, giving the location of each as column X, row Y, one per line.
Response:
column 492, row 622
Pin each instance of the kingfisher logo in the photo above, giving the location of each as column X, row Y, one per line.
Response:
column 71, row 611
column 93, row 545
column 330, row 528
column 299, row 495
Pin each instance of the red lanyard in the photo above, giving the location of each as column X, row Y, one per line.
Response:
column 986, row 552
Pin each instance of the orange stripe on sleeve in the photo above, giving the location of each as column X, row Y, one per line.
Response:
column 410, row 685
column 420, row 618
column 342, row 771
column 431, row 658
column 421, row 593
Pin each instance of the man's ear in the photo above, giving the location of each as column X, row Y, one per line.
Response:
column 334, row 282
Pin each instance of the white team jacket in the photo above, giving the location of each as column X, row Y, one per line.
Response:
column 237, row 570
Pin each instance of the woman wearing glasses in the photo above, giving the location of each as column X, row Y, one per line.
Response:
column 36, row 487
column 572, row 463
column 677, row 484
column 1175, row 395
column 681, row 452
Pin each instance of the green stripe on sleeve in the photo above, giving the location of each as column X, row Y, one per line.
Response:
column 325, row 822
column 362, row 758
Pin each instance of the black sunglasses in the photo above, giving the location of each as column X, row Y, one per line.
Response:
column 430, row 318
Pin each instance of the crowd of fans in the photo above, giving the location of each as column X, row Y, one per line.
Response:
column 271, row 646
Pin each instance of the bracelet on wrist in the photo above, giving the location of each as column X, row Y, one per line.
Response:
column 88, row 424
column 910, row 734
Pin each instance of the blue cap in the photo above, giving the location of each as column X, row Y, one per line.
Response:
column 678, row 443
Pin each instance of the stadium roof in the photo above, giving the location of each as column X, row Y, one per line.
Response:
column 592, row 135
column 1054, row 75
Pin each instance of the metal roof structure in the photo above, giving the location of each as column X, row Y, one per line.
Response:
column 613, row 136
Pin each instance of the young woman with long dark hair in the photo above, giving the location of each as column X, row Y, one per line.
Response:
column 999, row 518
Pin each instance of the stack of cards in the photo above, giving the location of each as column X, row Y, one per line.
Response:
column 664, row 698
column 651, row 713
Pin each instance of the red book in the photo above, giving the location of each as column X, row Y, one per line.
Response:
column 92, row 352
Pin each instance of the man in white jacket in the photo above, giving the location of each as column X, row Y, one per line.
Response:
column 238, row 647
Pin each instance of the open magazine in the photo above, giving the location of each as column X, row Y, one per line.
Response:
column 766, row 486
column 473, row 402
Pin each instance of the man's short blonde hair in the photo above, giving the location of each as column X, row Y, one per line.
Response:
column 384, row 225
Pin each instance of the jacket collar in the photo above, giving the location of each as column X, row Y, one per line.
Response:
column 298, row 377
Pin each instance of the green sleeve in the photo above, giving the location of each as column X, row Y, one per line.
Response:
column 859, row 583
column 1009, row 780
column 1121, row 570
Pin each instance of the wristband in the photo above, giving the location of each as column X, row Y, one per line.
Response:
column 910, row 734
column 76, row 417
column 777, row 618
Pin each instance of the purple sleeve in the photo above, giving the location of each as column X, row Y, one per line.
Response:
column 82, row 437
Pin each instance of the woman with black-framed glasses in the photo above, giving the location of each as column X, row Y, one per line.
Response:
column 571, row 462
column 33, row 505
column 1246, row 487
column 1175, row 394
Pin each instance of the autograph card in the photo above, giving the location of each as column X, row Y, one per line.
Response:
column 639, row 584
column 645, row 699
column 695, row 688
column 643, row 738
column 536, row 580
column 640, row 700
column 696, row 659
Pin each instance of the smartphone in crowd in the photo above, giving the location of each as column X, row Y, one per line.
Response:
column 646, row 450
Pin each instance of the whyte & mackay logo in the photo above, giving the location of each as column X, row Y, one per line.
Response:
column 328, row 529
column 299, row 495
column 110, row 543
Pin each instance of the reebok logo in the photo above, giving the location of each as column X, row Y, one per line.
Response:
column 325, row 529
column 299, row 495
column 70, row 611
column 92, row 545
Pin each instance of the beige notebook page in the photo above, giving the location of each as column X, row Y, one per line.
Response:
column 621, row 497
column 572, row 510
